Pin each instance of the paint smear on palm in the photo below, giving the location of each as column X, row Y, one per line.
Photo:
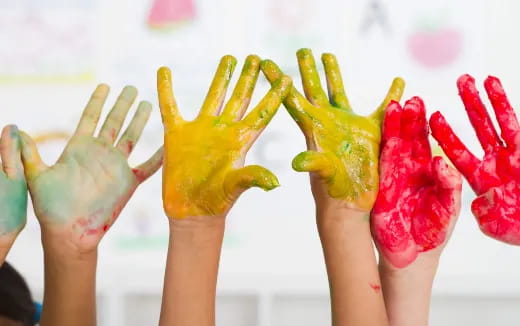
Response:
column 86, row 189
column 419, row 195
column 87, row 184
column 343, row 147
column 203, row 170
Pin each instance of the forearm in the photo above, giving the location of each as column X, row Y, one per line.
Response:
column 191, row 271
column 70, row 286
column 352, row 269
column 5, row 245
column 407, row 292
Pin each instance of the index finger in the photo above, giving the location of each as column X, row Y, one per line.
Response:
column 260, row 116
column 394, row 94
column 294, row 102
column 392, row 122
column 456, row 151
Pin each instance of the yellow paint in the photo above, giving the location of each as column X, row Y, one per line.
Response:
column 49, row 136
column 203, row 171
column 343, row 147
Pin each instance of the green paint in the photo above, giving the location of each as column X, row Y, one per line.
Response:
column 89, row 180
column 344, row 148
column 348, row 143
column 13, row 204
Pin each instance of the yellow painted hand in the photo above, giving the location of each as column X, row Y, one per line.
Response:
column 203, row 168
column 343, row 147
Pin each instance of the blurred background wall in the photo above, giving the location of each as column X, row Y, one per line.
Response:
column 54, row 52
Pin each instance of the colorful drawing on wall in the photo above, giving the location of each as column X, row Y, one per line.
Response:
column 435, row 45
column 376, row 16
column 168, row 14
column 46, row 43
column 291, row 15
column 284, row 25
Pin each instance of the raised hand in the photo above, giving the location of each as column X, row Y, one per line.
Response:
column 495, row 179
column 82, row 195
column 343, row 147
column 13, row 190
column 203, row 170
column 419, row 196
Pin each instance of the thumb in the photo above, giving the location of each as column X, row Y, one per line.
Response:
column 32, row 162
column 237, row 181
column 311, row 161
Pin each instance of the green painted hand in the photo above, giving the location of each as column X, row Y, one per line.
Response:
column 343, row 147
column 83, row 193
column 13, row 190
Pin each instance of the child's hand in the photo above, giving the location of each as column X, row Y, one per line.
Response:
column 13, row 190
column 81, row 195
column 343, row 147
column 204, row 169
column 495, row 179
column 419, row 196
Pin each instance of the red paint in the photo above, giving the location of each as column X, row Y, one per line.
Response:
column 167, row 12
column 113, row 134
column 138, row 173
column 376, row 287
column 84, row 225
column 129, row 146
column 496, row 178
column 418, row 194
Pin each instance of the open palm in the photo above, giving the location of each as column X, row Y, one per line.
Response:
column 204, row 169
column 496, row 177
column 91, row 182
column 419, row 195
column 343, row 147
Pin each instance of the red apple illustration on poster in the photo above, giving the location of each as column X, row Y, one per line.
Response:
column 170, row 13
column 435, row 45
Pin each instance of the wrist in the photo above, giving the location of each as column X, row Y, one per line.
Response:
column 198, row 231
column 423, row 269
column 336, row 217
column 413, row 281
column 59, row 245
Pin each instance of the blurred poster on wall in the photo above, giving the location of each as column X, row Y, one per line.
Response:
column 47, row 40
column 173, row 33
column 410, row 38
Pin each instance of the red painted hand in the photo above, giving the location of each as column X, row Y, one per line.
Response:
column 419, row 196
column 496, row 178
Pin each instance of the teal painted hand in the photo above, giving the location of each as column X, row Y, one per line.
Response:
column 82, row 195
column 13, row 190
